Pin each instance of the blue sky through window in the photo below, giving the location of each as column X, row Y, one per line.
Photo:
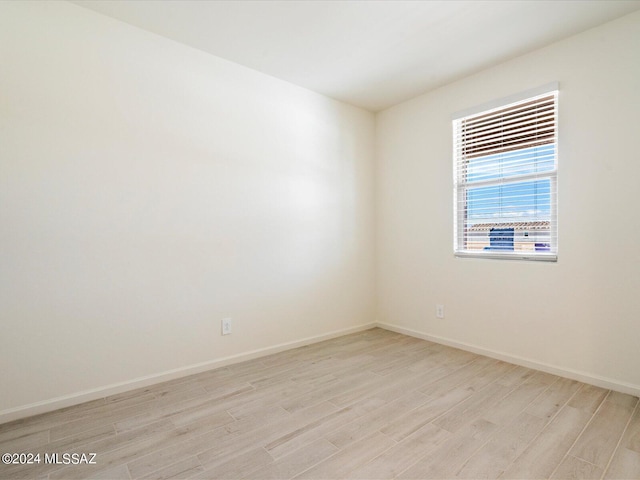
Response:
column 515, row 200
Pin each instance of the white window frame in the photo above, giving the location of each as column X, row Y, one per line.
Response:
column 461, row 186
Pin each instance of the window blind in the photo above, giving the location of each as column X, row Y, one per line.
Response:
column 505, row 180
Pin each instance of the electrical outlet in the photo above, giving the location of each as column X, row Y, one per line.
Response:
column 439, row 311
column 226, row 326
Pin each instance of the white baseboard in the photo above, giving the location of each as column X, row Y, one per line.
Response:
column 584, row 377
column 104, row 391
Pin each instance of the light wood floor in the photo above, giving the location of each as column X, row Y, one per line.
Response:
column 371, row 405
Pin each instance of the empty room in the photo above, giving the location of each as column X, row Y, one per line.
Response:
column 319, row 239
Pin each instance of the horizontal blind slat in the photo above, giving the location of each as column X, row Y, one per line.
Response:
column 524, row 129
column 541, row 102
column 467, row 126
column 506, row 128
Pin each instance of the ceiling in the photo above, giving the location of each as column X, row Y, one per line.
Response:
column 372, row 54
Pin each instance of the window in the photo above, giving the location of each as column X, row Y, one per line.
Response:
column 505, row 179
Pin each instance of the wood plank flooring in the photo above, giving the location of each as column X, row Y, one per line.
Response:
column 372, row 405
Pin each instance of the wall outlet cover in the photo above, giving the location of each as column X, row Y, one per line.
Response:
column 226, row 326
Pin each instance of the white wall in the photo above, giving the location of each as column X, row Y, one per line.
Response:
column 579, row 316
column 147, row 190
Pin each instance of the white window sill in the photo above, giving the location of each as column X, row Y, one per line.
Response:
column 536, row 257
